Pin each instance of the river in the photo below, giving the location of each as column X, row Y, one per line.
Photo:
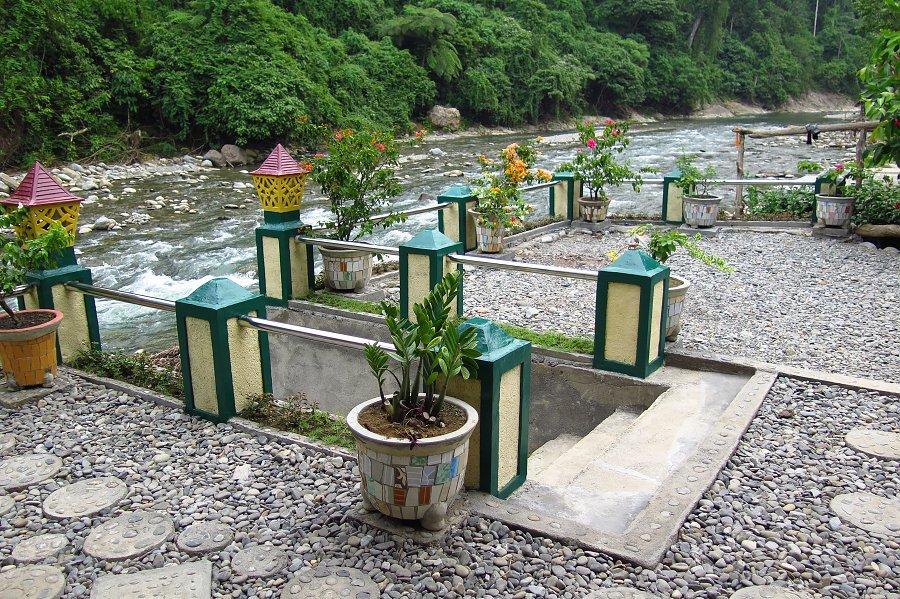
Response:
column 170, row 255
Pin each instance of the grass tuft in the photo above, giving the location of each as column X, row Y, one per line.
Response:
column 137, row 369
column 297, row 414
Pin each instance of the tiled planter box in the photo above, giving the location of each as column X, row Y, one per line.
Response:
column 28, row 356
column 490, row 236
column 346, row 270
column 412, row 483
column 593, row 211
column 678, row 289
column 701, row 212
column 833, row 211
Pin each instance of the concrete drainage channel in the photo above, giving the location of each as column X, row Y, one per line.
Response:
column 615, row 468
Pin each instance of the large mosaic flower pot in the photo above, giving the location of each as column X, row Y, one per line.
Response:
column 412, row 483
column 28, row 355
column 833, row 211
column 701, row 211
column 346, row 270
column 678, row 289
column 490, row 234
column 593, row 211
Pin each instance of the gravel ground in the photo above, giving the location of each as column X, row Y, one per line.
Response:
column 743, row 532
column 794, row 299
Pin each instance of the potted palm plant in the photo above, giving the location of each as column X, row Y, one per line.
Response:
column 413, row 442
column 357, row 176
column 500, row 201
column 701, row 209
column 597, row 168
column 27, row 337
column 834, row 208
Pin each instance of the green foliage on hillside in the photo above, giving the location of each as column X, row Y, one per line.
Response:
column 79, row 78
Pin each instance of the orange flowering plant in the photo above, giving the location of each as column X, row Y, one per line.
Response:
column 500, row 199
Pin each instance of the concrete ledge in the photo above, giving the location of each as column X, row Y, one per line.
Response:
column 524, row 236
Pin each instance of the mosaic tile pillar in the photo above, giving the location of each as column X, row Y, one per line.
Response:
column 673, row 198
column 501, row 392
column 285, row 267
column 631, row 315
column 564, row 196
column 222, row 362
column 423, row 263
column 455, row 221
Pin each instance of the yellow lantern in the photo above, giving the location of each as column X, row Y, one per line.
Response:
column 279, row 183
column 46, row 201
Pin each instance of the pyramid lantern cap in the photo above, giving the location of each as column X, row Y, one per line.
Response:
column 279, row 164
column 39, row 188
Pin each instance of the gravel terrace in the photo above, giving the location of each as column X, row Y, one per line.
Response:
column 765, row 519
column 793, row 298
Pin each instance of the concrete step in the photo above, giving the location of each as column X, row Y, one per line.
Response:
column 565, row 468
column 547, row 453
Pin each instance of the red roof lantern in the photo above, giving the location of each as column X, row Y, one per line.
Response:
column 47, row 201
column 280, row 181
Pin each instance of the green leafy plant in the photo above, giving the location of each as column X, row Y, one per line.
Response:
column 662, row 243
column 595, row 164
column 433, row 346
column 693, row 181
column 137, row 369
column 793, row 201
column 877, row 202
column 881, row 93
column 808, row 166
column 298, row 414
column 500, row 199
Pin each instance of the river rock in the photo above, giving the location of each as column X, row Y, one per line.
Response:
column 88, row 184
column 444, row 117
column 4, row 188
column 437, row 152
column 206, row 163
column 103, row 223
column 8, row 181
column 453, row 173
column 215, row 157
column 233, row 155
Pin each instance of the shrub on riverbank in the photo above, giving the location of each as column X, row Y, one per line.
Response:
column 780, row 201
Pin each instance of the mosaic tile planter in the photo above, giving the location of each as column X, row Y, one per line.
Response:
column 833, row 211
column 28, row 356
column 417, row 483
column 346, row 270
column 593, row 211
column 490, row 236
column 701, row 212
column 678, row 289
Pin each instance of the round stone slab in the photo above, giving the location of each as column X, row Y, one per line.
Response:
column 327, row 583
column 33, row 582
column 881, row 444
column 35, row 549
column 129, row 535
column 869, row 512
column 620, row 593
column 7, row 443
column 203, row 537
column 6, row 504
column 25, row 470
column 769, row 591
column 85, row 497
column 259, row 561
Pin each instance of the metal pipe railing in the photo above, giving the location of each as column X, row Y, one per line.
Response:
column 282, row 328
column 381, row 217
column 16, row 292
column 124, row 296
column 348, row 245
column 541, row 269
column 540, row 186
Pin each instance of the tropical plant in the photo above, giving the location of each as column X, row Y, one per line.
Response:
column 662, row 243
column 357, row 176
column 596, row 166
column 433, row 345
column 693, row 181
column 424, row 32
column 877, row 202
column 881, row 94
column 500, row 199
column 808, row 166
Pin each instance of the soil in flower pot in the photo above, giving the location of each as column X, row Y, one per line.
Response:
column 374, row 418
column 593, row 211
column 25, row 320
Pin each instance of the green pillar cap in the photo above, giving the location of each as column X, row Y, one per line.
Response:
column 675, row 173
column 563, row 176
column 491, row 338
column 459, row 190
column 430, row 239
column 217, row 293
column 636, row 262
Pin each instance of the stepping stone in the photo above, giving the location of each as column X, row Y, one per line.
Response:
column 129, row 535
column 769, row 591
column 7, row 443
column 6, row 504
column 881, row 444
column 204, row 537
column 85, row 497
column 26, row 470
column 259, row 561
column 324, row 582
column 192, row 580
column 35, row 549
column 869, row 512
column 33, row 582
column 620, row 593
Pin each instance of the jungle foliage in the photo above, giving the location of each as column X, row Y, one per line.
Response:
column 96, row 78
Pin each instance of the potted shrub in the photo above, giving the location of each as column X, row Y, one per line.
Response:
column 27, row 337
column 413, row 442
column 500, row 201
column 834, row 208
column 661, row 244
column 357, row 176
column 596, row 166
column 701, row 209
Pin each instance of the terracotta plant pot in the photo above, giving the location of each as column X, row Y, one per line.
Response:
column 490, row 235
column 346, row 270
column 701, row 211
column 29, row 355
column 833, row 211
column 593, row 211
column 678, row 289
column 412, row 483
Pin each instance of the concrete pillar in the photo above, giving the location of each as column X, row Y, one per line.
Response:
column 501, row 392
column 455, row 221
column 286, row 269
column 630, row 325
column 672, row 201
column 423, row 263
column 564, row 196
column 222, row 362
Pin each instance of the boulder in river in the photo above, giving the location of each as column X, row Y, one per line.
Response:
column 103, row 224
column 444, row 117
column 234, row 155
column 215, row 157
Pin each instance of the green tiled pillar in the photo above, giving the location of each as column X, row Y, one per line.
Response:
column 285, row 266
column 672, row 201
column 222, row 362
column 564, row 196
column 455, row 221
column 423, row 263
column 630, row 325
column 501, row 392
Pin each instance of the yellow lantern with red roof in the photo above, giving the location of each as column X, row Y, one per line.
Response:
column 279, row 182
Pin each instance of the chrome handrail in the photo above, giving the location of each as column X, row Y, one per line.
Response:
column 348, row 245
column 124, row 296
column 381, row 217
column 540, row 186
column 541, row 269
column 283, row 328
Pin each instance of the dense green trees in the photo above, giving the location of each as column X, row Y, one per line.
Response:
column 80, row 77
